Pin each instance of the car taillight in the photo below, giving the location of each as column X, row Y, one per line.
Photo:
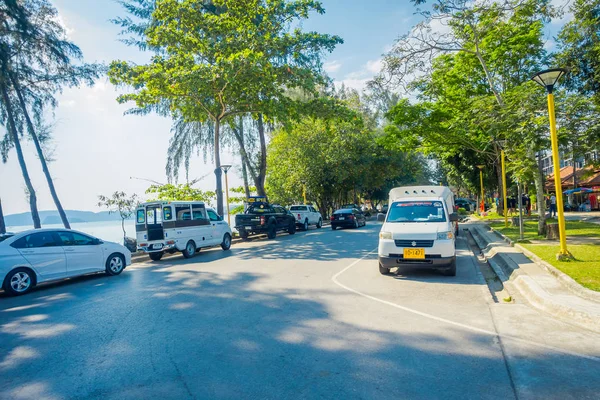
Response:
column 143, row 244
column 299, row 217
column 352, row 217
column 332, row 218
column 171, row 242
column 262, row 219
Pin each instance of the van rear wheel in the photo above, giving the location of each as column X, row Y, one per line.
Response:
column 190, row 249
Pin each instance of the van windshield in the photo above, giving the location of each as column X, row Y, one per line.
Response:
column 417, row 211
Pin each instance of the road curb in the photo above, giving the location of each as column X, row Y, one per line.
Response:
column 564, row 279
column 517, row 281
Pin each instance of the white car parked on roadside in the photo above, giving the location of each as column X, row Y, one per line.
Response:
column 185, row 226
column 306, row 216
column 43, row 255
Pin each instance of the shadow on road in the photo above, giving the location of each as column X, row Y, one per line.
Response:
column 183, row 333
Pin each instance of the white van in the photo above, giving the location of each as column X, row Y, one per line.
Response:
column 186, row 226
column 419, row 229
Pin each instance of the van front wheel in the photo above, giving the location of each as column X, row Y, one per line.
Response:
column 452, row 270
column 383, row 270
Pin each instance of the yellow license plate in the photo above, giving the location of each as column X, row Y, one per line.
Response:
column 414, row 253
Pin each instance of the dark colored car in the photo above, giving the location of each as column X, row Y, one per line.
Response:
column 262, row 217
column 464, row 203
column 348, row 218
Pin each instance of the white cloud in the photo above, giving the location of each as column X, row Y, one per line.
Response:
column 549, row 45
column 358, row 84
column 332, row 66
column 62, row 22
column 374, row 66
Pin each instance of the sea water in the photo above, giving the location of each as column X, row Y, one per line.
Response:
column 106, row 230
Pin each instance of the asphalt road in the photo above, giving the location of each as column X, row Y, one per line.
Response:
column 303, row 316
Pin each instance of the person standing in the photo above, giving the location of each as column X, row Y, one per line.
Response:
column 528, row 205
column 552, row 205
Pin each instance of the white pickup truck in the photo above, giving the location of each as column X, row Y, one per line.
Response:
column 306, row 216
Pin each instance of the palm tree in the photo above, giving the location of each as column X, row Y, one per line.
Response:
column 2, row 224
column 38, row 64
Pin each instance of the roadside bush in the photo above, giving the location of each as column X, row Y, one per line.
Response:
column 462, row 211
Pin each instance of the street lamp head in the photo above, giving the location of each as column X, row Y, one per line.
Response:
column 549, row 77
column 225, row 168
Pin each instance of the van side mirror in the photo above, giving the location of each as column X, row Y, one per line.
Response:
column 380, row 217
column 453, row 217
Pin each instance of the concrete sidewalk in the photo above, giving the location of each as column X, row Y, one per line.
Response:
column 546, row 289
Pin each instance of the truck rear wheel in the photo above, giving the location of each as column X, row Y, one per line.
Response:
column 156, row 256
column 272, row 231
column 243, row 234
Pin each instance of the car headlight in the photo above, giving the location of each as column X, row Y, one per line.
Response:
column 385, row 235
column 445, row 235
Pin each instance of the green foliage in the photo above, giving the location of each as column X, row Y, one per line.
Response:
column 462, row 211
column 120, row 202
column 182, row 192
column 339, row 161
column 474, row 97
column 579, row 44
column 215, row 60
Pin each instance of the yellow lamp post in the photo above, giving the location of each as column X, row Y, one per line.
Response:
column 482, row 209
column 304, row 191
column 225, row 168
column 504, row 197
column 548, row 79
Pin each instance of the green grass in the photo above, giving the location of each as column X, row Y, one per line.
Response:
column 585, row 269
column 574, row 228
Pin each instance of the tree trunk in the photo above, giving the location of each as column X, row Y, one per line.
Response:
column 218, row 172
column 262, row 166
column 123, row 227
column 35, row 216
column 2, row 224
column 246, row 164
column 244, row 169
column 40, row 152
column 500, row 209
column 245, row 178
column 541, row 204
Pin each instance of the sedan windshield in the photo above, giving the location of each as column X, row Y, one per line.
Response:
column 417, row 211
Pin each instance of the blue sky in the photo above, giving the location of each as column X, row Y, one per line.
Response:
column 97, row 149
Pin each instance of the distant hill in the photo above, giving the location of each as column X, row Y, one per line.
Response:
column 52, row 217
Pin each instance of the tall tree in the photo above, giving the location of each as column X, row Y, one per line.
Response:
column 38, row 63
column 218, row 59
column 2, row 224
column 489, row 48
column 579, row 48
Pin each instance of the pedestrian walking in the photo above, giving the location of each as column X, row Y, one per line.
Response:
column 552, row 205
